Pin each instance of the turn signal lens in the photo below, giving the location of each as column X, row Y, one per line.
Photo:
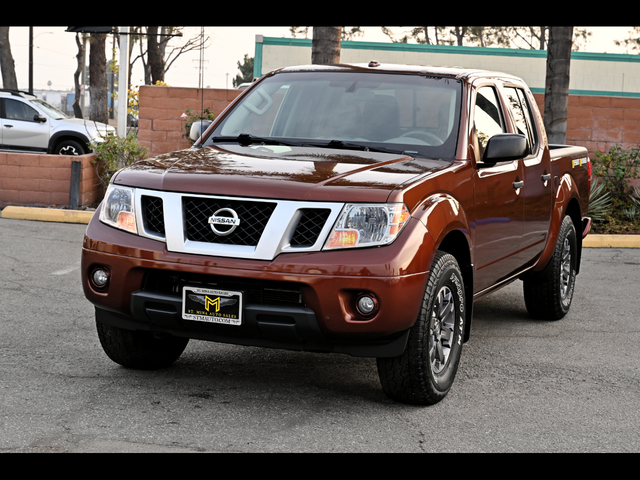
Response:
column 343, row 239
column 127, row 221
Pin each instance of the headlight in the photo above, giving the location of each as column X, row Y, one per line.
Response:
column 118, row 208
column 366, row 225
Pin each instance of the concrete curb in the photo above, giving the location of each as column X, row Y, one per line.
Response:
column 82, row 216
column 611, row 241
column 48, row 214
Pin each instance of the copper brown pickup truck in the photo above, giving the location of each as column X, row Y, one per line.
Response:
column 356, row 209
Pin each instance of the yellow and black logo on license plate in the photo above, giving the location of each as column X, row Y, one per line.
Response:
column 213, row 306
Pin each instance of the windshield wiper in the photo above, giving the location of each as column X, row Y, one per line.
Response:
column 248, row 139
column 357, row 146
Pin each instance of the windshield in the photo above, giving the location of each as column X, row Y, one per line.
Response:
column 49, row 109
column 414, row 114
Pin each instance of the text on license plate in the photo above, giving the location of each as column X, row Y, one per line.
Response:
column 210, row 305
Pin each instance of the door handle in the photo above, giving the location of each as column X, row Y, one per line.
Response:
column 519, row 184
column 546, row 177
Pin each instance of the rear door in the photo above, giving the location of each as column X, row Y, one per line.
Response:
column 537, row 188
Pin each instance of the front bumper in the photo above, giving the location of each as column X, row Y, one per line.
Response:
column 330, row 282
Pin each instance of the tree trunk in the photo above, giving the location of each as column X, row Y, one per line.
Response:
column 426, row 36
column 325, row 46
column 155, row 58
column 7, row 65
column 556, row 95
column 76, row 78
column 98, row 78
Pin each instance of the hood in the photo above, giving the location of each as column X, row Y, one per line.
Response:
column 293, row 173
column 86, row 126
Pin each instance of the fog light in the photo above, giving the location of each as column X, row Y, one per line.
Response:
column 366, row 304
column 100, row 278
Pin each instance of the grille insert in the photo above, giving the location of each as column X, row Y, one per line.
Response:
column 253, row 219
column 153, row 214
column 256, row 291
column 309, row 227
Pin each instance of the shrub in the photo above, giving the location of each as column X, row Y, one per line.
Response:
column 114, row 153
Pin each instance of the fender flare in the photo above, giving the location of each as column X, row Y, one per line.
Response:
column 54, row 140
column 566, row 202
column 447, row 223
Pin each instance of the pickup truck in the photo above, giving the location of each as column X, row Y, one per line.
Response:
column 356, row 209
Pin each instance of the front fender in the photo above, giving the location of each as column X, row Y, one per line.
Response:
column 441, row 214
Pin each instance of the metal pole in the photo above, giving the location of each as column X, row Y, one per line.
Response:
column 74, row 186
column 123, row 88
column 31, row 60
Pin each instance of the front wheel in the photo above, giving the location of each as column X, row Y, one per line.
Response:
column 138, row 349
column 548, row 294
column 69, row 147
column 424, row 373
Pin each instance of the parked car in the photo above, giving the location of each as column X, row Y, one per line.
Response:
column 345, row 209
column 31, row 125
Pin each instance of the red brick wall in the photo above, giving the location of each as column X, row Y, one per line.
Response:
column 160, row 126
column 43, row 180
column 597, row 122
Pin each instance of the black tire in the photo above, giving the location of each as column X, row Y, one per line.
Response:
column 69, row 147
column 424, row 373
column 548, row 294
column 137, row 349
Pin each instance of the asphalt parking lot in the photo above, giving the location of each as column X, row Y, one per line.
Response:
column 522, row 386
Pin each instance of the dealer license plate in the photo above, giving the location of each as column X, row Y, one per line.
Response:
column 212, row 306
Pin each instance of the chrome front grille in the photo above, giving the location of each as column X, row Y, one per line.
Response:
column 266, row 228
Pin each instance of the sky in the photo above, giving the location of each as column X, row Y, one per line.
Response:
column 55, row 50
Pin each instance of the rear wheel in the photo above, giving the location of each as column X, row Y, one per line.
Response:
column 424, row 373
column 548, row 294
column 138, row 349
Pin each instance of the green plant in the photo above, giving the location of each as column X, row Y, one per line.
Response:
column 192, row 116
column 599, row 201
column 113, row 153
column 616, row 168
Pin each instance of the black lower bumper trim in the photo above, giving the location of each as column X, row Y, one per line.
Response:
column 273, row 326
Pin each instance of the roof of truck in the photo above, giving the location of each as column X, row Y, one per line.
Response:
column 455, row 72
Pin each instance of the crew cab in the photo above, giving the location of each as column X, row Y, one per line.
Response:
column 357, row 209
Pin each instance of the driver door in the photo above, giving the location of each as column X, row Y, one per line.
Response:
column 499, row 205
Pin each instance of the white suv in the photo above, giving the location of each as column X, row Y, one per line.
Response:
column 31, row 125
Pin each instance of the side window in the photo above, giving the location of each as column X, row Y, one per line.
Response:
column 15, row 110
column 522, row 116
column 487, row 116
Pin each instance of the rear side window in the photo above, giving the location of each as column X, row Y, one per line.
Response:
column 522, row 116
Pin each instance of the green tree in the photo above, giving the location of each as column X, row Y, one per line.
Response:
column 246, row 71
column 535, row 38
column 632, row 42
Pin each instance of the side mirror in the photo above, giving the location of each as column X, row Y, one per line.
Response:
column 197, row 129
column 39, row 118
column 504, row 146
